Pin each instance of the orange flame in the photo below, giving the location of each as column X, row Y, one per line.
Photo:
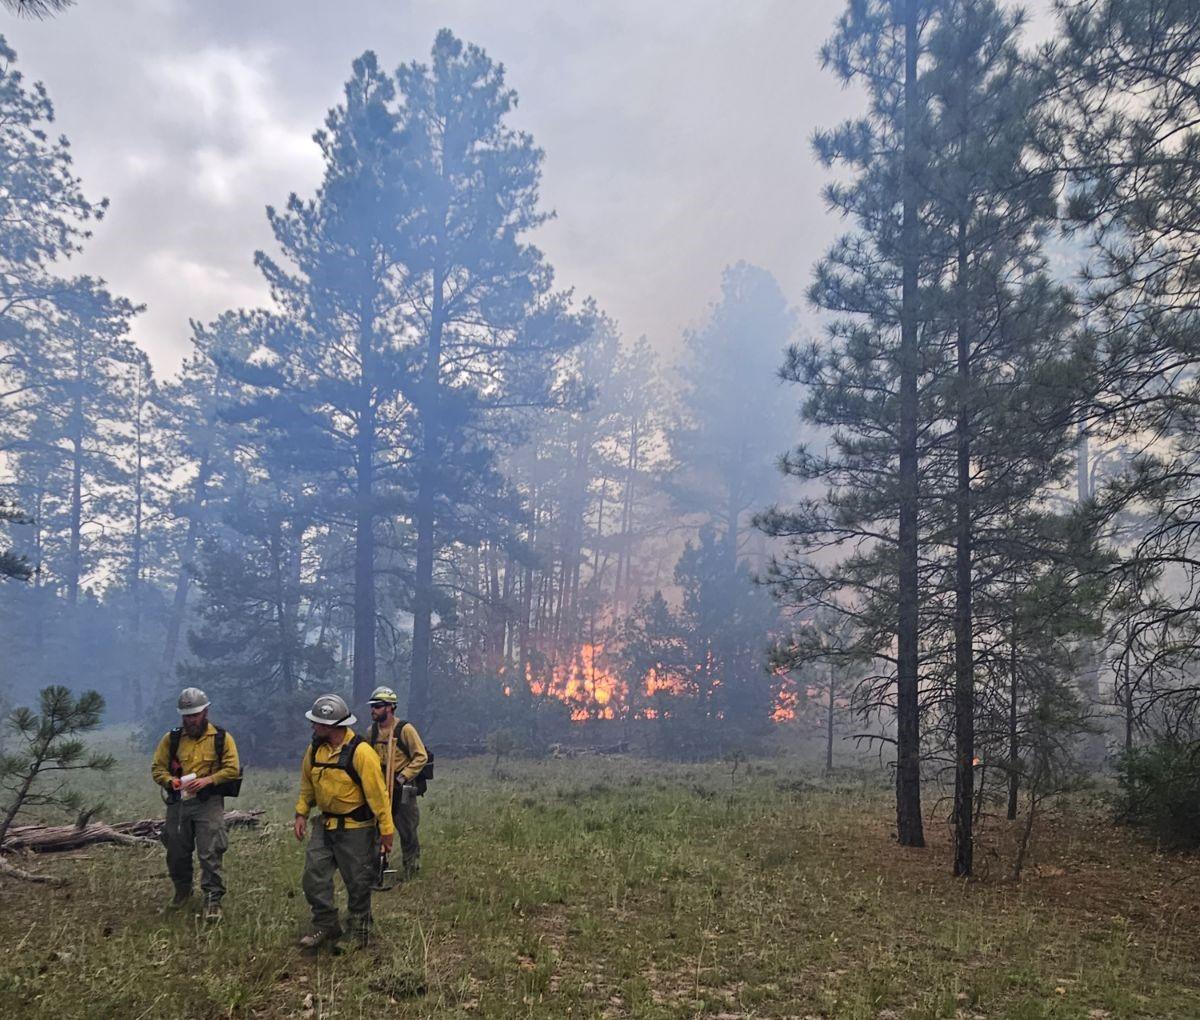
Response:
column 591, row 686
column 786, row 701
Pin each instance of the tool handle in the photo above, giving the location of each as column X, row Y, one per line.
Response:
column 391, row 763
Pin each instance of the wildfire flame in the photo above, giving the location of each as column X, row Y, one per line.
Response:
column 591, row 685
column 786, row 701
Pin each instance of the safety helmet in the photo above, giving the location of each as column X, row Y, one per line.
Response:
column 332, row 710
column 383, row 695
column 192, row 700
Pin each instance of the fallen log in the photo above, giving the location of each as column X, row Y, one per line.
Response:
column 45, row 839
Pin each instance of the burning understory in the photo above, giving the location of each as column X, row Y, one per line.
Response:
column 595, row 683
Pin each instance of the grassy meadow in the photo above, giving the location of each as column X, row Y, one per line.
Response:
column 611, row 887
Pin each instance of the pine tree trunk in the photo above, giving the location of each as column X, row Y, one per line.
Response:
column 1014, row 778
column 829, row 726
column 183, row 582
column 1088, row 680
column 964, row 675
column 75, row 555
column 909, row 828
column 624, row 548
column 418, row 693
column 364, row 556
column 135, row 566
column 39, row 617
column 282, row 622
column 1128, row 709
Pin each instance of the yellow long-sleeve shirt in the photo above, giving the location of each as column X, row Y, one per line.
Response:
column 332, row 790
column 198, row 755
column 411, row 755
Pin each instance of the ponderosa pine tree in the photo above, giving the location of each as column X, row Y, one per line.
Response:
column 1010, row 392
column 44, row 218
column 1129, row 103
column 75, row 409
column 870, row 383
column 332, row 385
column 726, row 442
column 13, row 565
column 485, row 328
column 200, row 446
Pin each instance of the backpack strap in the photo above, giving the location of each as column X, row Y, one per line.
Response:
column 344, row 763
column 346, row 760
column 398, row 730
column 173, row 761
column 174, row 766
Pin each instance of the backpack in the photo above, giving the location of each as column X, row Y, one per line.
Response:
column 344, row 763
column 421, row 779
column 229, row 788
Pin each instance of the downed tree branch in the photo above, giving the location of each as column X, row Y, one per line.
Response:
column 43, row 839
column 12, row 871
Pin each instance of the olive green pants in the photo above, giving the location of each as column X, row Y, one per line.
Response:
column 349, row 853
column 406, row 818
column 196, row 826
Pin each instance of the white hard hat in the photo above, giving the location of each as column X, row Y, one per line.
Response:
column 332, row 710
column 192, row 700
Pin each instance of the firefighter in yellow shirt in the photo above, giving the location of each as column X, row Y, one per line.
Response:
column 341, row 776
column 197, row 766
column 411, row 759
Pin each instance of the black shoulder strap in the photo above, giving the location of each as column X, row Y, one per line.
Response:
column 399, row 731
column 346, row 759
column 374, row 733
column 173, row 747
column 219, row 744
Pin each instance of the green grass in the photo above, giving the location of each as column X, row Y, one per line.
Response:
column 616, row 888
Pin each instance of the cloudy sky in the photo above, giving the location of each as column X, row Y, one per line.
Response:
column 676, row 135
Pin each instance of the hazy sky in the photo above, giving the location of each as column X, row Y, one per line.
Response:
column 676, row 136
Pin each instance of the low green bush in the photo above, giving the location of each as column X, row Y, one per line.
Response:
column 1159, row 791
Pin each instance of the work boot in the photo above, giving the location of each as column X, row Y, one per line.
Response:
column 183, row 895
column 314, row 940
column 212, row 912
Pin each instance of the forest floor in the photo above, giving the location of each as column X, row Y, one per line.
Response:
column 612, row 888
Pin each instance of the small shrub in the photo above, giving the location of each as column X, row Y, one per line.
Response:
column 1160, row 791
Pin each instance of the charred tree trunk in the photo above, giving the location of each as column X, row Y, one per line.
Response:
column 909, row 828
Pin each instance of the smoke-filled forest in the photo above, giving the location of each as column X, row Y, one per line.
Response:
column 816, row 642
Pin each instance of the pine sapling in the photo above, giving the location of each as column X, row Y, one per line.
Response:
column 47, row 743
